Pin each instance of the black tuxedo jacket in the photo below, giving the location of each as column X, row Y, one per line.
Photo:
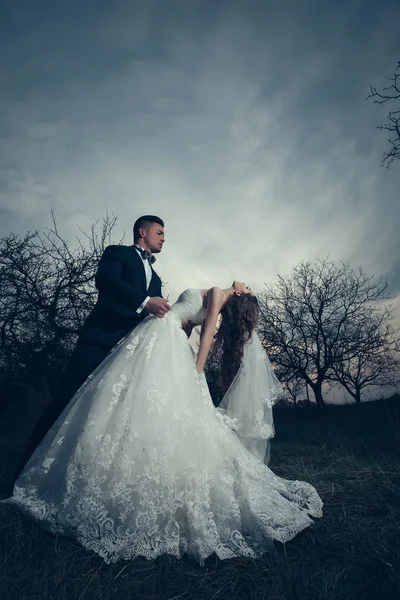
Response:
column 121, row 281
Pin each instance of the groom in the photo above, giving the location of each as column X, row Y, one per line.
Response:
column 129, row 290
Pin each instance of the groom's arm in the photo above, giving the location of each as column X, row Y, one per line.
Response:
column 109, row 279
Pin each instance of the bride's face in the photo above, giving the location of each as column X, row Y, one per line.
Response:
column 242, row 288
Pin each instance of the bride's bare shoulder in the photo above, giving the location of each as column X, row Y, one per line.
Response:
column 212, row 295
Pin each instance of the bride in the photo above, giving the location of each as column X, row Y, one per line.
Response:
column 141, row 462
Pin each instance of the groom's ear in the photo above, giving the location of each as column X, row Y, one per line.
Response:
column 237, row 293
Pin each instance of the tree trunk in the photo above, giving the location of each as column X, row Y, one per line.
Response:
column 354, row 393
column 317, row 389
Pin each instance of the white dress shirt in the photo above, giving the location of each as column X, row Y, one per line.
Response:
column 149, row 275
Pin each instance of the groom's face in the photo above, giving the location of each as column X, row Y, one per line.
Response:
column 154, row 237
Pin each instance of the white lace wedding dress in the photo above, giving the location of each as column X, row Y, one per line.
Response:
column 141, row 463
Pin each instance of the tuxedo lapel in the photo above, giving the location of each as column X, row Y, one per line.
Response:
column 155, row 284
column 139, row 267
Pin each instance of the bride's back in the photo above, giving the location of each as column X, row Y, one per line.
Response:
column 189, row 306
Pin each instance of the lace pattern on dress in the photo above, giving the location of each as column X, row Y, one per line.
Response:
column 141, row 463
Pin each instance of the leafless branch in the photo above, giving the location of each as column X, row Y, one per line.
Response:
column 390, row 93
column 46, row 291
column 320, row 316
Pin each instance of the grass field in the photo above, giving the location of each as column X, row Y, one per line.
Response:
column 351, row 454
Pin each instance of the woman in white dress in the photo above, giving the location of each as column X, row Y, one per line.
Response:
column 141, row 463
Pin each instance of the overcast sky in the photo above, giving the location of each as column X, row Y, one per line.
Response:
column 244, row 124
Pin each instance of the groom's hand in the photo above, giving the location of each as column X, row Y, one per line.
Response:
column 158, row 307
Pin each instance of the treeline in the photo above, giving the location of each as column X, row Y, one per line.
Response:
column 324, row 324
column 46, row 291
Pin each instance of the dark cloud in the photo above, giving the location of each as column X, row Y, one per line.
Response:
column 243, row 124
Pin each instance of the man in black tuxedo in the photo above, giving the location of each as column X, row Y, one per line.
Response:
column 129, row 290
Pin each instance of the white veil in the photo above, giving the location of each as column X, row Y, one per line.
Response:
column 250, row 397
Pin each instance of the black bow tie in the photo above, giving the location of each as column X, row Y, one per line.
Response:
column 146, row 255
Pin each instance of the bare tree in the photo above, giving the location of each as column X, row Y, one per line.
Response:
column 306, row 316
column 370, row 353
column 296, row 389
column 390, row 94
column 46, row 291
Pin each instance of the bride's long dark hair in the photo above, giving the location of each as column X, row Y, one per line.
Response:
column 239, row 317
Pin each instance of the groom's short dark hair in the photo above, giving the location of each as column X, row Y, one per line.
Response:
column 145, row 221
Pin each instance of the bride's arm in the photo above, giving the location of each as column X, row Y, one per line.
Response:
column 215, row 299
